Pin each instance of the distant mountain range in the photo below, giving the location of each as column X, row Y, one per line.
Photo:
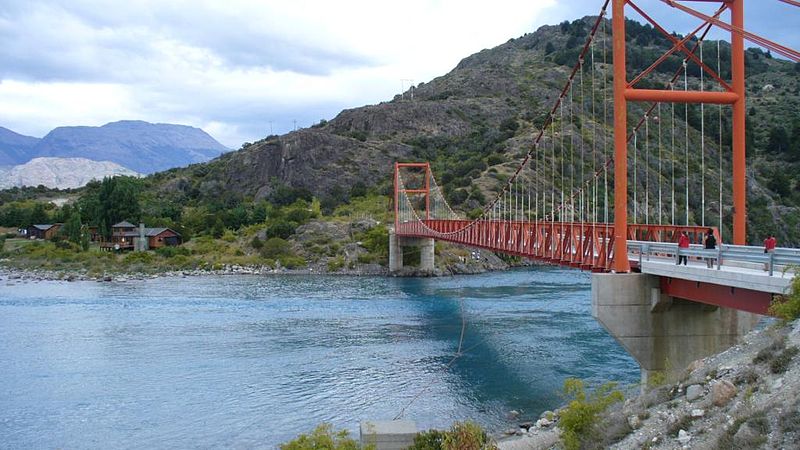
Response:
column 140, row 146
column 60, row 173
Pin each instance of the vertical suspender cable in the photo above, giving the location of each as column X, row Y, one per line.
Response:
column 605, row 127
column 580, row 142
column 686, row 138
column 635, row 167
column 594, row 137
column 719, row 147
column 672, row 157
column 647, row 168
column 571, row 159
column 553, row 171
column 658, row 174
column 561, row 214
column 702, row 148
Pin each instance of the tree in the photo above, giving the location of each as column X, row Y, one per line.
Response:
column 72, row 227
column 38, row 215
column 549, row 48
column 794, row 140
column 111, row 201
column 778, row 140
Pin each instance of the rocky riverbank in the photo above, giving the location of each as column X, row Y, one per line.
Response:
column 745, row 397
column 476, row 263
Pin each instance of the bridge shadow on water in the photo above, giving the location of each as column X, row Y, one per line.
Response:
column 526, row 332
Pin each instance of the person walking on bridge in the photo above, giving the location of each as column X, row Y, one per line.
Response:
column 683, row 244
column 769, row 247
column 710, row 244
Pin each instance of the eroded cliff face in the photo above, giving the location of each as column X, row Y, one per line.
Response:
column 312, row 159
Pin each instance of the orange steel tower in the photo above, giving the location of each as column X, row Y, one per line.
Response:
column 733, row 94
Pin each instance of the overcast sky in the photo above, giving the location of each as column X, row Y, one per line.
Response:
column 242, row 69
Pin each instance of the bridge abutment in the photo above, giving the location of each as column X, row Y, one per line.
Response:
column 662, row 333
column 426, row 252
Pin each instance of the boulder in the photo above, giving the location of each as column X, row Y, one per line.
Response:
column 684, row 437
column 362, row 225
column 722, row 392
column 697, row 413
column 318, row 230
column 694, row 392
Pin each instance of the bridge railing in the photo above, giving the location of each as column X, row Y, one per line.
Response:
column 783, row 259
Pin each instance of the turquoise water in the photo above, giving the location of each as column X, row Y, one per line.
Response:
column 250, row 362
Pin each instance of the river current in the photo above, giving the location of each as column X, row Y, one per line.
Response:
column 250, row 362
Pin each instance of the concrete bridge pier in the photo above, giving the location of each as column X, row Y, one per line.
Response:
column 426, row 252
column 662, row 333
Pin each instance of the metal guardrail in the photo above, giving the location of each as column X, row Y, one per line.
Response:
column 724, row 253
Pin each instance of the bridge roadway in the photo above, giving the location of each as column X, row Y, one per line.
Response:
column 742, row 277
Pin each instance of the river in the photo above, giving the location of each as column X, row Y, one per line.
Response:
column 250, row 362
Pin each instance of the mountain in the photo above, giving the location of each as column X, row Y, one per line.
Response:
column 140, row 146
column 61, row 173
column 476, row 123
column 14, row 147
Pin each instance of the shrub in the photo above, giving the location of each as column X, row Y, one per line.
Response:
column 170, row 252
column 292, row 261
column 335, row 264
column 257, row 243
column 281, row 229
column 275, row 247
column 323, row 437
column 428, row 440
column 787, row 307
column 138, row 257
column 579, row 418
column 461, row 436
column 781, row 362
column 228, row 235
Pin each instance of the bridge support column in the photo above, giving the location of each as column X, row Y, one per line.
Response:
column 395, row 253
column 663, row 334
column 426, row 252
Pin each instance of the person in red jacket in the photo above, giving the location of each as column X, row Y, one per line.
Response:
column 769, row 246
column 683, row 243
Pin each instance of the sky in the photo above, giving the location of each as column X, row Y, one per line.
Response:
column 244, row 69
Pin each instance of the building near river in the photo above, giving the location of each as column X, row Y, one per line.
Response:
column 43, row 231
column 127, row 236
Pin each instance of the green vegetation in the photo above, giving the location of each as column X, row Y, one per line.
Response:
column 461, row 436
column 787, row 307
column 324, row 438
column 579, row 419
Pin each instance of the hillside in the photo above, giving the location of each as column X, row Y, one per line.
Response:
column 140, row 146
column 743, row 398
column 15, row 147
column 476, row 122
column 60, row 173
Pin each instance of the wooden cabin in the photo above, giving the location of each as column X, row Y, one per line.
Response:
column 127, row 236
column 43, row 231
column 161, row 237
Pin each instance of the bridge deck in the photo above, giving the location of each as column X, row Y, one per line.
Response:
column 752, row 278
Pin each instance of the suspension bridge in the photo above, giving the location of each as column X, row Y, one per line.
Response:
column 616, row 175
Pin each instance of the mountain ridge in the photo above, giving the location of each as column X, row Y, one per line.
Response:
column 141, row 146
column 61, row 173
column 14, row 146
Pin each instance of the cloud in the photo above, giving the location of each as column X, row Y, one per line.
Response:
column 239, row 67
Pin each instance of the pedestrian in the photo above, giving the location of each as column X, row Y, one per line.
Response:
column 683, row 244
column 710, row 244
column 769, row 247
